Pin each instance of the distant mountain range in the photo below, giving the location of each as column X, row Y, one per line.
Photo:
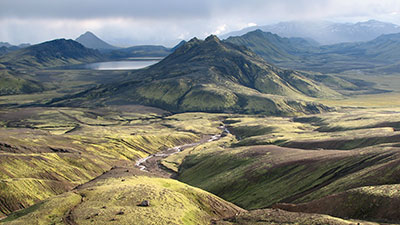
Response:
column 212, row 76
column 226, row 71
column 326, row 32
column 6, row 47
column 297, row 53
column 5, row 44
column 140, row 51
column 90, row 40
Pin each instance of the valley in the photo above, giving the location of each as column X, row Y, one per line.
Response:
column 217, row 132
column 349, row 149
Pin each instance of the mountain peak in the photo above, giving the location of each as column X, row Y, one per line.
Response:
column 257, row 31
column 262, row 34
column 88, row 33
column 212, row 38
column 211, row 44
column 194, row 40
column 90, row 40
column 181, row 43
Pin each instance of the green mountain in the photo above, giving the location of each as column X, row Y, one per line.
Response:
column 19, row 68
column 385, row 49
column 212, row 76
column 50, row 54
column 273, row 48
column 89, row 40
column 303, row 55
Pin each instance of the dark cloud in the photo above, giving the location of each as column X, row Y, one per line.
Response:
column 84, row 9
column 131, row 22
column 191, row 9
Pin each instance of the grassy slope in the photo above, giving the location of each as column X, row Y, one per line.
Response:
column 11, row 84
column 372, row 202
column 346, row 129
column 259, row 176
column 250, row 176
column 47, row 151
column 281, row 217
column 256, row 177
column 113, row 199
column 171, row 202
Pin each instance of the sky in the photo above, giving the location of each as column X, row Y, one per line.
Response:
column 166, row 22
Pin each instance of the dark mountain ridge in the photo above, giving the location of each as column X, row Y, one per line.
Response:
column 49, row 54
column 212, row 76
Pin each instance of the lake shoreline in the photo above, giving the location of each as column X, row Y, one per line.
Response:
column 132, row 63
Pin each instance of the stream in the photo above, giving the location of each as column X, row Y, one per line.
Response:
column 145, row 163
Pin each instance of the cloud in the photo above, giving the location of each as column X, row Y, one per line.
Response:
column 220, row 29
column 130, row 22
column 89, row 9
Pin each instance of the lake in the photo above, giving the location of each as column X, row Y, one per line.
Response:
column 127, row 64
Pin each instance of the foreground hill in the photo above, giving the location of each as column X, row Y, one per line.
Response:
column 48, row 151
column 50, row 54
column 212, row 76
column 57, row 149
column 171, row 202
column 336, row 164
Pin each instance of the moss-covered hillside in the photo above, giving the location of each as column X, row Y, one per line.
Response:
column 114, row 198
column 213, row 76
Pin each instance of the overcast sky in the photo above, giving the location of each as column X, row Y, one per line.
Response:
column 133, row 22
